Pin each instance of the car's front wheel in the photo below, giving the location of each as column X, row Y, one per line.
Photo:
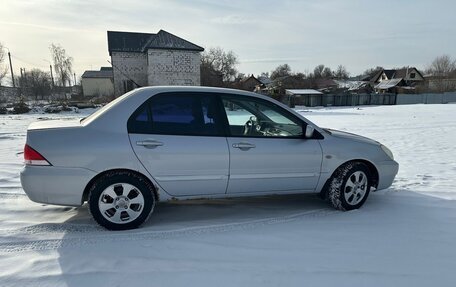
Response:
column 349, row 187
column 121, row 200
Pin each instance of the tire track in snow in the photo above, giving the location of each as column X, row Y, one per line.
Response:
column 6, row 195
column 53, row 244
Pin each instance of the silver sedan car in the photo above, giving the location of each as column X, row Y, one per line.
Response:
column 175, row 143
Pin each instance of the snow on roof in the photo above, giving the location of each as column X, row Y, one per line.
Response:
column 264, row 80
column 303, row 92
column 350, row 85
column 384, row 85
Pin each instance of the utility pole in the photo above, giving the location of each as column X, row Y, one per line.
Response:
column 74, row 76
column 52, row 77
column 50, row 68
column 11, row 68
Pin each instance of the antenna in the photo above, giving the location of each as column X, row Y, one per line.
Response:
column 139, row 86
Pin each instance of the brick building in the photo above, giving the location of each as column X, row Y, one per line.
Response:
column 143, row 59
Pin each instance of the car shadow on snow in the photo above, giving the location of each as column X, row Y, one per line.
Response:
column 172, row 215
column 389, row 218
column 195, row 213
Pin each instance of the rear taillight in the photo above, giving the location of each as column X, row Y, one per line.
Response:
column 32, row 157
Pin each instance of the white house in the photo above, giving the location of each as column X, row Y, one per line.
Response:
column 143, row 59
column 98, row 83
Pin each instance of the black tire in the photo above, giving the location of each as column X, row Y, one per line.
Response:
column 141, row 187
column 340, row 186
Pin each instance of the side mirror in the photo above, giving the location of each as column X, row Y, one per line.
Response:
column 309, row 131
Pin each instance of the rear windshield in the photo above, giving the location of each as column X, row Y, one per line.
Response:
column 100, row 111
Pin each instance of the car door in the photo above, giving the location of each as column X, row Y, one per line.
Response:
column 179, row 140
column 268, row 152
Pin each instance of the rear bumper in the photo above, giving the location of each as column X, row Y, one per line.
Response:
column 55, row 185
column 387, row 171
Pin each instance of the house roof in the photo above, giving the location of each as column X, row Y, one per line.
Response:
column 385, row 85
column 141, row 42
column 104, row 72
column 350, row 85
column 402, row 73
column 374, row 77
column 324, row 83
column 395, row 73
column 264, row 80
column 389, row 73
column 363, row 77
column 252, row 78
column 303, row 92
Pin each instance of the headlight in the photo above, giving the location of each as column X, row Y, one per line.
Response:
column 387, row 151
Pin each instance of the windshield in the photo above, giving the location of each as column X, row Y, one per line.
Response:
column 100, row 111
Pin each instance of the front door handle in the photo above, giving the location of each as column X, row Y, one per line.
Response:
column 243, row 146
column 149, row 143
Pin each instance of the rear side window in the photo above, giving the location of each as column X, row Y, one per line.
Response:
column 177, row 114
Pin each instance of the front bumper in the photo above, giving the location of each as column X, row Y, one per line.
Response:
column 387, row 171
column 55, row 185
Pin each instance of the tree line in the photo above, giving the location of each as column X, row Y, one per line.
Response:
column 219, row 69
column 38, row 83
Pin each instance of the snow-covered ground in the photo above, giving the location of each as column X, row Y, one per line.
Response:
column 404, row 236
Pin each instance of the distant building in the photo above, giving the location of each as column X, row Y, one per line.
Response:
column 324, row 84
column 250, row 83
column 410, row 75
column 391, row 86
column 143, row 59
column 253, row 83
column 98, row 83
column 302, row 97
column 440, row 84
column 395, row 80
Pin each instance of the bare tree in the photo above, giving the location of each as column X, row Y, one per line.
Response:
column 63, row 64
column 322, row 72
column 341, row 73
column 36, row 84
column 372, row 71
column 327, row 73
column 318, row 71
column 443, row 71
column 209, row 76
column 3, row 68
column 442, row 66
column 39, row 83
column 281, row 71
column 219, row 63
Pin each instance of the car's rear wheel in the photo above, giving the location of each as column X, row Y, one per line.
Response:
column 349, row 187
column 121, row 200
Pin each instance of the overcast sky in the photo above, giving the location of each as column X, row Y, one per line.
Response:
column 263, row 34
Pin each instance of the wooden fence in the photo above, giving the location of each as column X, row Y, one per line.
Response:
column 326, row 100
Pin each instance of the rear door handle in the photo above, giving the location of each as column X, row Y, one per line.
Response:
column 149, row 143
column 243, row 146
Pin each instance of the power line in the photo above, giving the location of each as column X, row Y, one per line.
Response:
column 26, row 62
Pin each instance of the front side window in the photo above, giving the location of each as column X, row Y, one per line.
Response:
column 259, row 118
column 177, row 114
